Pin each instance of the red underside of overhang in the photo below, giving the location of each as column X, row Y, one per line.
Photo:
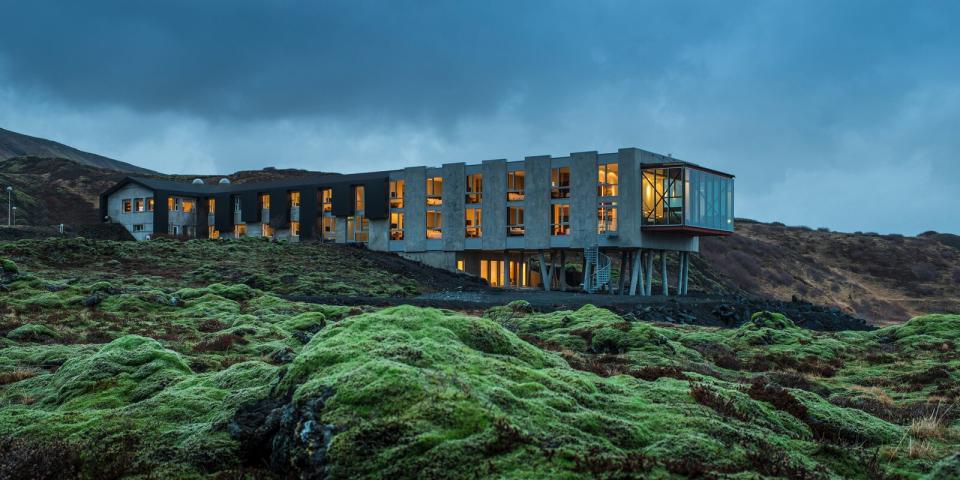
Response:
column 694, row 230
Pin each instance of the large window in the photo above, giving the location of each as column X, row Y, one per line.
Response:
column 149, row 204
column 663, row 196
column 294, row 199
column 266, row 231
column 709, row 200
column 435, row 191
column 326, row 200
column 358, row 201
column 127, row 205
column 265, row 201
column 187, row 205
column 434, row 224
column 474, row 217
column 607, row 217
column 138, row 205
column 396, row 225
column 515, row 186
column 560, row 182
column 328, row 227
column 357, row 228
column 240, row 230
column 396, row 193
column 294, row 228
column 515, row 226
column 474, row 188
column 560, row 219
column 212, row 232
column 608, row 180
column 211, row 206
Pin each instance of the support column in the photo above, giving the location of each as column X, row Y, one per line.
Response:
column 506, row 270
column 545, row 276
column 624, row 270
column 586, row 272
column 663, row 272
column 635, row 272
column 686, row 272
column 649, row 272
column 680, row 273
column 563, row 271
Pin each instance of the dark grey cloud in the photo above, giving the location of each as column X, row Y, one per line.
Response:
column 840, row 114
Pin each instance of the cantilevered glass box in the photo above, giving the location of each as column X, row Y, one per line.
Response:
column 687, row 198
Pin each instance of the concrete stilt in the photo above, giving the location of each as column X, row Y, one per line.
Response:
column 686, row 272
column 544, row 273
column 635, row 272
column 649, row 272
column 562, row 272
column 624, row 271
column 506, row 270
column 663, row 272
column 586, row 272
column 680, row 273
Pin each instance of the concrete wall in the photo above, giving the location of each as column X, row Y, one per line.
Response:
column 452, row 213
column 629, row 201
column 583, row 198
column 439, row 259
column 414, row 209
column 494, row 221
column 537, row 203
column 378, row 235
column 128, row 220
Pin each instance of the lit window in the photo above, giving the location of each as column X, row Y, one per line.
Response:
column 435, row 191
column 149, row 204
column 127, row 205
column 294, row 228
column 211, row 205
column 357, row 229
column 294, row 199
column 515, row 226
column 240, row 230
column 358, row 200
column 607, row 217
column 138, row 205
column 212, row 232
column 172, row 205
column 329, row 229
column 265, row 201
column 560, row 219
column 515, row 186
column 460, row 265
column 266, row 231
column 473, row 221
column 608, row 179
column 187, row 206
column 396, row 225
column 396, row 193
column 474, row 188
column 434, row 226
column 326, row 200
column 560, row 182
column 663, row 196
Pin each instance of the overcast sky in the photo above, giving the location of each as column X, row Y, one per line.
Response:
column 843, row 114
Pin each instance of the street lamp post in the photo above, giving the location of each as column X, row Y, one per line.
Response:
column 9, row 205
column 14, row 215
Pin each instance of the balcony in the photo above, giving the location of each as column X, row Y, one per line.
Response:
column 687, row 199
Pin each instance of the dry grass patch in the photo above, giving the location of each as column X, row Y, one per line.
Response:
column 934, row 425
column 16, row 375
column 877, row 393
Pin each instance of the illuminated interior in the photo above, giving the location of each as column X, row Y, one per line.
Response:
column 560, row 182
column 188, row 206
column 474, row 188
column 294, row 199
column 608, row 180
column 560, row 219
column 265, row 201
column 434, row 224
column 516, row 186
column 515, row 226
column 396, row 225
column 240, row 230
column 266, row 231
column 326, row 200
column 397, row 188
column 492, row 272
column 435, row 191
column 211, row 205
column 358, row 204
column 212, row 232
column 329, row 229
column 607, row 217
column 472, row 222
column 295, row 228
column 687, row 197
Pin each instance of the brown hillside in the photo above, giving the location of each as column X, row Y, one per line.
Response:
column 883, row 278
column 13, row 144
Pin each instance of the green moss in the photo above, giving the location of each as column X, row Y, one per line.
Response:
column 32, row 333
column 8, row 266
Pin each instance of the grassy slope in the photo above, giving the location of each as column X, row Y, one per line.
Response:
column 150, row 380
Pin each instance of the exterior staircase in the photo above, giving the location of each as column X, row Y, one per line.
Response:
column 599, row 265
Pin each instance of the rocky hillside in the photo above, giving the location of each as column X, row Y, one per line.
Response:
column 13, row 144
column 883, row 278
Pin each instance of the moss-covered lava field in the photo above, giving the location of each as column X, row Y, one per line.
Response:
column 164, row 360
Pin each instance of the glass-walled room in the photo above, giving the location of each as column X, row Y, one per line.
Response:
column 684, row 197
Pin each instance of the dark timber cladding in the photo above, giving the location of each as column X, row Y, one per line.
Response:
column 375, row 186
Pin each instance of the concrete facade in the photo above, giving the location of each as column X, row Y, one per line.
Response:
column 502, row 256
